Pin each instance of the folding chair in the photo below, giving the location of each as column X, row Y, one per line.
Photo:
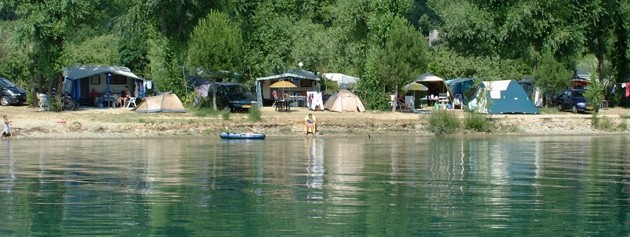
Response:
column 132, row 100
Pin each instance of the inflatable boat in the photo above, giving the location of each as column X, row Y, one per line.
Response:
column 254, row 136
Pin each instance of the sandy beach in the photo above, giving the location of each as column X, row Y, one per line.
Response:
column 31, row 123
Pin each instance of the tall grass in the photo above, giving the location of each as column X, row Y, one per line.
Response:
column 254, row 114
column 476, row 121
column 443, row 122
column 225, row 114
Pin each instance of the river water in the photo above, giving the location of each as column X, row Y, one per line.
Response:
column 383, row 186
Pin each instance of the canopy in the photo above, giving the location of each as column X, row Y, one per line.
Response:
column 435, row 84
column 73, row 76
column 292, row 75
column 79, row 72
column 428, row 77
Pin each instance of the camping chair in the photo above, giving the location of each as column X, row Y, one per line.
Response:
column 409, row 101
column 458, row 102
column 132, row 100
column 43, row 101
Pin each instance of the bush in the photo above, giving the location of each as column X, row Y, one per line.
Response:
column 225, row 114
column 604, row 123
column 254, row 114
column 476, row 121
column 442, row 122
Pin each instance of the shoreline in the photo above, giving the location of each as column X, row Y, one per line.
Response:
column 92, row 123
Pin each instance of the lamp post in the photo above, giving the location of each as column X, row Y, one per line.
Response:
column 300, row 64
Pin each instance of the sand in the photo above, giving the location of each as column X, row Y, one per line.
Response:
column 31, row 123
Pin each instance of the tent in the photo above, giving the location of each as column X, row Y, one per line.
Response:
column 79, row 80
column 435, row 84
column 304, row 80
column 502, row 97
column 344, row 101
column 343, row 80
column 462, row 88
column 167, row 103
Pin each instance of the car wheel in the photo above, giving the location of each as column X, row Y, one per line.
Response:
column 4, row 101
column 560, row 107
column 574, row 109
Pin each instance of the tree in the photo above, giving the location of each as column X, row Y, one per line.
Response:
column 551, row 75
column 403, row 56
column 215, row 45
column 43, row 27
column 595, row 93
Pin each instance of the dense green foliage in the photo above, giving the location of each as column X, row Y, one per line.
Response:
column 382, row 42
column 215, row 47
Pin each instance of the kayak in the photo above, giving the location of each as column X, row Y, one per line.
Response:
column 230, row 135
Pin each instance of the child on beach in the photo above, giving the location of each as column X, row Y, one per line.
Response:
column 310, row 123
column 6, row 131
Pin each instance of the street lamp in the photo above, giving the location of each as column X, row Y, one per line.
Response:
column 300, row 64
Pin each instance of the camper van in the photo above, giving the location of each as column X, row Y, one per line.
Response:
column 11, row 93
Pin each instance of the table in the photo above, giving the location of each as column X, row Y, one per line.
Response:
column 111, row 101
column 282, row 105
column 297, row 101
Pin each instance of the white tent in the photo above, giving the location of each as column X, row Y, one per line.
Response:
column 341, row 79
column 344, row 101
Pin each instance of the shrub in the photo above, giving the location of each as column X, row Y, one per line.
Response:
column 442, row 122
column 603, row 123
column 254, row 114
column 225, row 114
column 476, row 121
column 623, row 126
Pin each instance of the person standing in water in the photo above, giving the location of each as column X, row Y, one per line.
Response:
column 6, row 130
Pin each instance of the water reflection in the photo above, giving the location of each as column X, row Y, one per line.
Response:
column 316, row 186
column 315, row 159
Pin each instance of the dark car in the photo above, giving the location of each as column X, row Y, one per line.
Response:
column 234, row 96
column 11, row 93
column 573, row 100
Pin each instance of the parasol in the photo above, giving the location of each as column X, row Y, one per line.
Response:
column 414, row 86
column 283, row 84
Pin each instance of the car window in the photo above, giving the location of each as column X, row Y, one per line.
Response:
column 235, row 90
column 220, row 89
column 578, row 94
column 6, row 83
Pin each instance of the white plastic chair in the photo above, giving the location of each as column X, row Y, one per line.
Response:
column 43, row 101
column 132, row 100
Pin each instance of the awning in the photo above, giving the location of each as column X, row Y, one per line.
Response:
column 79, row 72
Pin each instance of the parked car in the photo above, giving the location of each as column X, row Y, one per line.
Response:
column 11, row 93
column 573, row 100
column 235, row 97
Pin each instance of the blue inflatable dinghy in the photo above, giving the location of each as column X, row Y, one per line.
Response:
column 251, row 136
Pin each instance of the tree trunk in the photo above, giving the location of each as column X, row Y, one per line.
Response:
column 214, row 94
column 395, row 102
